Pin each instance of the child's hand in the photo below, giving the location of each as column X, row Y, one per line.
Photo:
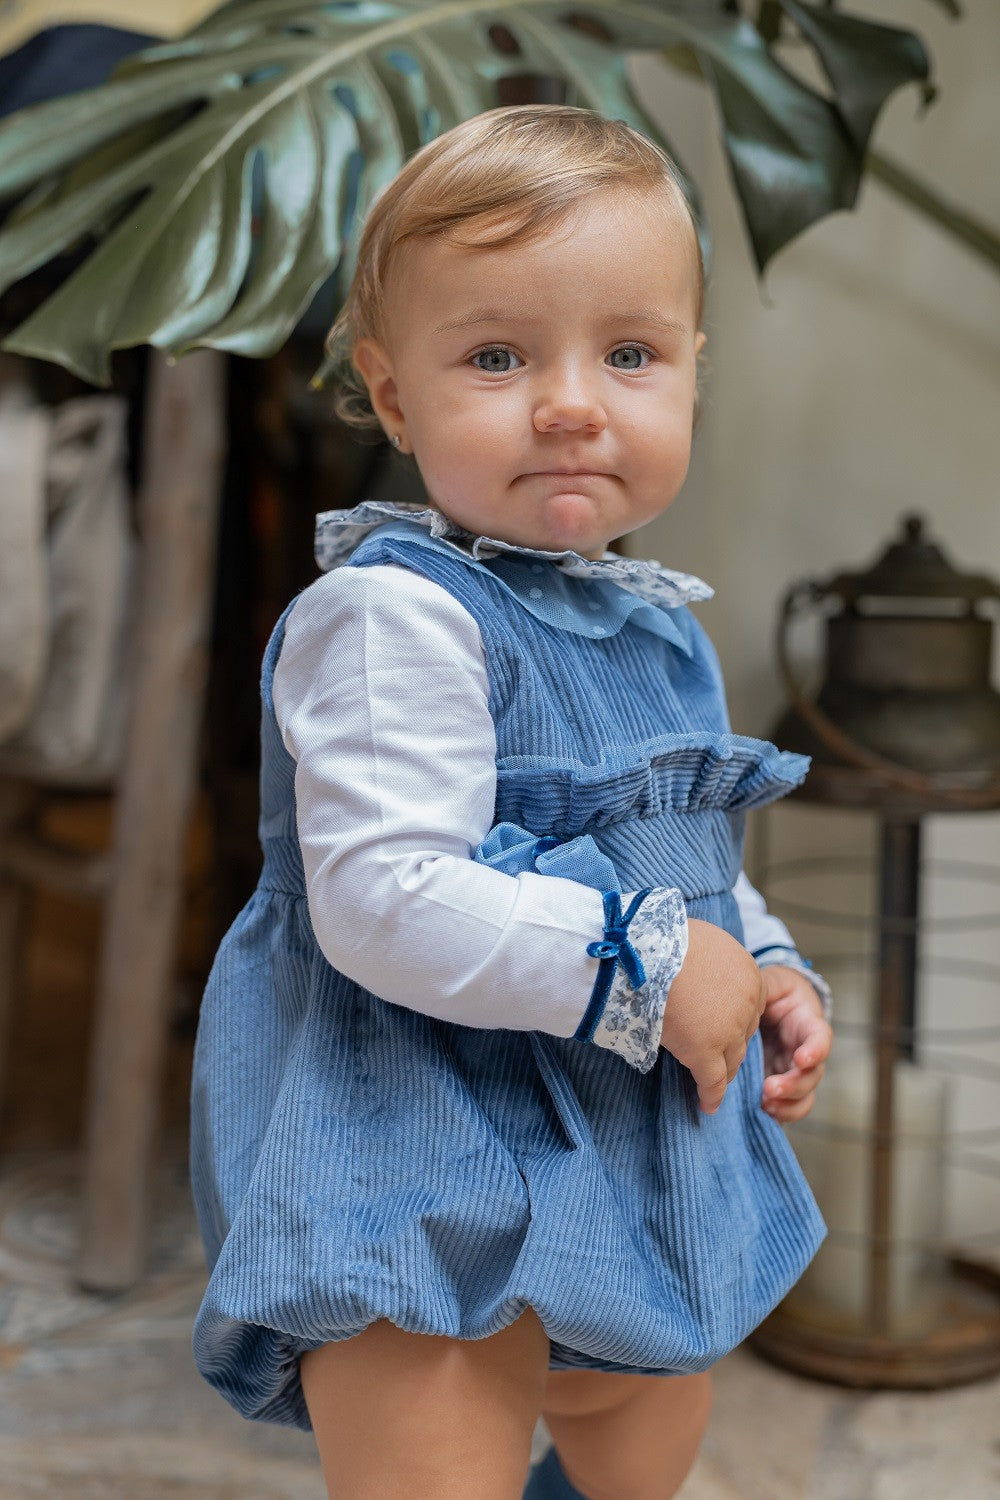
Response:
column 797, row 1041
column 713, row 1009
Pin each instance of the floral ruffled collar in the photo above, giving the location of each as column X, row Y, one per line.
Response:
column 339, row 532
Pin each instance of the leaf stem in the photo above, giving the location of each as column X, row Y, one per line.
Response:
column 974, row 233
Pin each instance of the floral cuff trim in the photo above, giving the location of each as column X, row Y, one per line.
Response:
column 791, row 958
column 614, row 950
column 631, row 1021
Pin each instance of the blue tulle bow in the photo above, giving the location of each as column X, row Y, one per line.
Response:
column 515, row 850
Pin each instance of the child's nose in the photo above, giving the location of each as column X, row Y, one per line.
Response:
column 569, row 401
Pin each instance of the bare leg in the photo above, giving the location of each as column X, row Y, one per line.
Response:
column 403, row 1416
column 626, row 1437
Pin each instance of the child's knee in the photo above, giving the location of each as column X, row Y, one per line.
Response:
column 429, row 1417
column 639, row 1443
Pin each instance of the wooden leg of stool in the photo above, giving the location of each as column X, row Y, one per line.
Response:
column 183, row 450
column 16, row 803
column 13, row 907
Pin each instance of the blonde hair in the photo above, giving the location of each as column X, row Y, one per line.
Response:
column 509, row 175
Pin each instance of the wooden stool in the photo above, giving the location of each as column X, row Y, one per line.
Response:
column 139, row 882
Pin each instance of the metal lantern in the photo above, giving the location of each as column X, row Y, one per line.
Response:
column 906, row 723
column 907, row 694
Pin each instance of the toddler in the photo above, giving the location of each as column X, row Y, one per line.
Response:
column 491, row 1068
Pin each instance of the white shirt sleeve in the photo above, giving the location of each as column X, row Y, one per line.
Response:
column 382, row 698
column 761, row 930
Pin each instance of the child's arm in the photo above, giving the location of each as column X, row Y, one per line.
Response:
column 797, row 1041
column 769, row 941
column 382, row 698
column 794, row 1026
column 713, row 1009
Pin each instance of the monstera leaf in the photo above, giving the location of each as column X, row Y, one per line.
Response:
column 215, row 183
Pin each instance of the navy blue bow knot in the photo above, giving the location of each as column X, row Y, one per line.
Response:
column 612, row 948
column 615, row 945
column 610, row 944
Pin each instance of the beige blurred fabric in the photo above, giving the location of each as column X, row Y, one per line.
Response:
column 24, row 453
column 66, row 567
column 20, row 19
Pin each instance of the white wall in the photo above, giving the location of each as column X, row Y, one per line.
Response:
column 862, row 381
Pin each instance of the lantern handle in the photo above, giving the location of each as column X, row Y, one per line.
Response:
column 843, row 745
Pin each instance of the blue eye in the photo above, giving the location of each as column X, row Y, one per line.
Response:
column 628, row 357
column 497, row 361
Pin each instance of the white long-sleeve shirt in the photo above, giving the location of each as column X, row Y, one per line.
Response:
column 382, row 698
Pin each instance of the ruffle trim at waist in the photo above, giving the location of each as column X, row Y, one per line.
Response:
column 682, row 773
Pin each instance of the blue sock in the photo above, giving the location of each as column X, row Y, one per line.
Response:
column 548, row 1482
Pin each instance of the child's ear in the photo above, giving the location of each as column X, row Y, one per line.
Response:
column 699, row 370
column 372, row 362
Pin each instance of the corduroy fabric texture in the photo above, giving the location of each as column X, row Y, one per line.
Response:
column 353, row 1160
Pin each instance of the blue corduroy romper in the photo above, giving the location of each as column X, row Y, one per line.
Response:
column 353, row 1160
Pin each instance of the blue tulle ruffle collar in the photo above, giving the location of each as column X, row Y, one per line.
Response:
column 338, row 532
column 595, row 598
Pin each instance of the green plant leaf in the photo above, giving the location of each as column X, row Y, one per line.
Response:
column 864, row 61
column 791, row 158
column 217, row 181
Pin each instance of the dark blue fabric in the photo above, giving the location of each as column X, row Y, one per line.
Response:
column 62, row 60
column 547, row 1481
column 354, row 1160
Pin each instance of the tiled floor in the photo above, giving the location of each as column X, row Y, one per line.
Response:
column 99, row 1399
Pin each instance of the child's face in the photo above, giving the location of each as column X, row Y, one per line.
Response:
column 546, row 390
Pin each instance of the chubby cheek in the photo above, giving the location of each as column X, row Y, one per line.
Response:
column 452, row 445
column 447, row 457
column 658, row 454
column 678, row 454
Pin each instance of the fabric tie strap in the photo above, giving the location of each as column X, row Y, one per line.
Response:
column 612, row 949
